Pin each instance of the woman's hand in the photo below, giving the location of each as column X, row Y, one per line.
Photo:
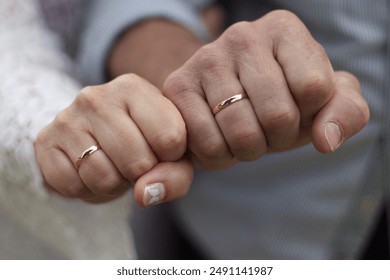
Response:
column 141, row 140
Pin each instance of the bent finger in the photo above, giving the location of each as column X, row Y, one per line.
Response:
column 167, row 181
column 58, row 170
column 156, row 117
column 304, row 61
column 205, row 140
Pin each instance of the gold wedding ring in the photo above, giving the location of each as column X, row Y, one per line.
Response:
column 86, row 153
column 222, row 105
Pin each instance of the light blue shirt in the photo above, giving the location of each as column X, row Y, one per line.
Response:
column 294, row 205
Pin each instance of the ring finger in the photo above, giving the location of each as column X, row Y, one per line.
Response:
column 237, row 120
column 95, row 169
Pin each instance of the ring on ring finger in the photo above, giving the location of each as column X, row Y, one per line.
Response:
column 86, row 153
column 227, row 102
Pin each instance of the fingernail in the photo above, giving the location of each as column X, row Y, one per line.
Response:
column 154, row 193
column 334, row 135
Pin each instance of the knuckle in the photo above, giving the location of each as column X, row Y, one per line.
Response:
column 96, row 101
column 62, row 122
column 364, row 110
column 107, row 183
column 62, row 119
column 43, row 138
column 91, row 90
column 240, row 36
column 246, row 139
column 317, row 85
column 171, row 140
column 283, row 16
column 73, row 190
column 207, row 56
column 129, row 80
column 281, row 26
column 282, row 21
column 283, row 116
column 136, row 169
column 350, row 79
column 188, row 79
column 211, row 149
column 354, row 80
column 320, row 53
column 89, row 97
column 177, row 84
column 214, row 64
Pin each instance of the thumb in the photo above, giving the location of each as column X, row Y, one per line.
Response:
column 167, row 181
column 345, row 114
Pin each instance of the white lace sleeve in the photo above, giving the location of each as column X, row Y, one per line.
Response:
column 34, row 85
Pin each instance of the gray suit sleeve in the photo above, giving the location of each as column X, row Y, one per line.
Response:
column 105, row 20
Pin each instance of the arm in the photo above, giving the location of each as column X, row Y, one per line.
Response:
column 153, row 49
column 102, row 29
column 156, row 47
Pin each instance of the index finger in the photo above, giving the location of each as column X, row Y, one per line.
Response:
column 305, row 64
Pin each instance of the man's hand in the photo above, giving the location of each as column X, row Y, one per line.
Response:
column 294, row 96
